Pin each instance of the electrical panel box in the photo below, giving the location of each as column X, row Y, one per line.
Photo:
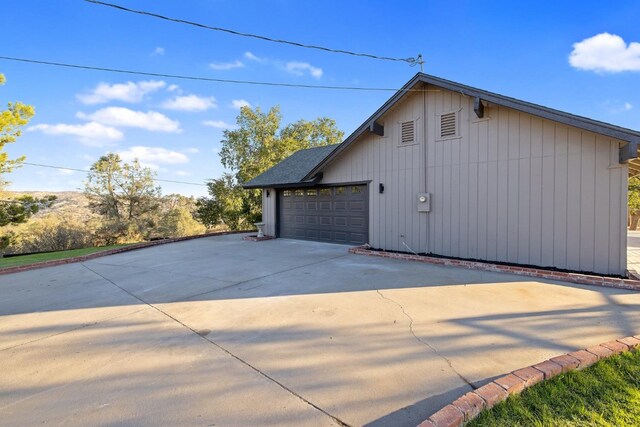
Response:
column 424, row 202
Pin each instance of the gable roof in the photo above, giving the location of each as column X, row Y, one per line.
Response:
column 293, row 169
column 581, row 122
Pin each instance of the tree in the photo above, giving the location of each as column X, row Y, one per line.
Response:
column 125, row 196
column 12, row 120
column 20, row 209
column 177, row 217
column 227, row 205
column 257, row 144
column 634, row 202
column 17, row 211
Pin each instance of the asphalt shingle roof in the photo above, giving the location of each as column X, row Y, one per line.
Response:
column 293, row 169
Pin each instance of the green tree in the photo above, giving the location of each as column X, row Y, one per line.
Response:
column 14, row 210
column 177, row 217
column 18, row 210
column 634, row 202
column 125, row 196
column 258, row 143
column 226, row 205
column 16, row 116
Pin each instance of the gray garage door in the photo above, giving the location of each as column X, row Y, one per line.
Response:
column 326, row 214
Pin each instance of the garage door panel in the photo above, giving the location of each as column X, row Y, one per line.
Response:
column 340, row 221
column 330, row 214
column 356, row 205
column 356, row 222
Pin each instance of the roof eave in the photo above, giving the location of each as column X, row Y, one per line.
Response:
column 305, row 183
column 527, row 107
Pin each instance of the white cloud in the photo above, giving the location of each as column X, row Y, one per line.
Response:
column 152, row 157
column 66, row 172
column 158, row 51
column 190, row 103
column 251, row 57
column 605, row 53
column 191, row 150
column 174, row 88
column 616, row 106
column 218, row 124
column 183, row 173
column 126, row 92
column 92, row 133
column 226, row 65
column 239, row 103
column 300, row 68
column 124, row 117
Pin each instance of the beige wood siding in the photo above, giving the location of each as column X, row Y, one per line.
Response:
column 517, row 188
column 269, row 211
column 512, row 187
column 394, row 222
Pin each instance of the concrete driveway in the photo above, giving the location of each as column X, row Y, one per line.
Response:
column 219, row 331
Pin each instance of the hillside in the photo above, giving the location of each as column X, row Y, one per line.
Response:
column 69, row 203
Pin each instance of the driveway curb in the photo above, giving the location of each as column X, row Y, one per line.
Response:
column 136, row 246
column 464, row 409
column 583, row 279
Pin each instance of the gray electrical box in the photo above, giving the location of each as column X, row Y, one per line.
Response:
column 424, row 202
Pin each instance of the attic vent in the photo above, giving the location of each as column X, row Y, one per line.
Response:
column 408, row 132
column 448, row 125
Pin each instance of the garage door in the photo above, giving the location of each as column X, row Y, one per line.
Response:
column 327, row 214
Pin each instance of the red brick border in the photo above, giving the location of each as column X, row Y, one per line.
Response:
column 583, row 279
column 17, row 269
column 469, row 406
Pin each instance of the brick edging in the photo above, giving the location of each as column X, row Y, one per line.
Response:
column 583, row 279
column 133, row 247
column 464, row 409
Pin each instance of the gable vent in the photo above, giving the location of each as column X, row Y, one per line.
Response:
column 448, row 125
column 408, row 132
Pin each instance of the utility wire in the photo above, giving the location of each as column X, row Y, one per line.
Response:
column 87, row 171
column 207, row 79
column 411, row 61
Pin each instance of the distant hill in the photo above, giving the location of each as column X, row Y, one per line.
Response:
column 70, row 203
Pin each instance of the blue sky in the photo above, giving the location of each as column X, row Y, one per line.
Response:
column 517, row 49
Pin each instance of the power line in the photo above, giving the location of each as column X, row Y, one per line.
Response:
column 206, row 79
column 411, row 61
column 87, row 171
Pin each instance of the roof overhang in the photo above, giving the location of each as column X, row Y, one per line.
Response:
column 307, row 183
column 480, row 96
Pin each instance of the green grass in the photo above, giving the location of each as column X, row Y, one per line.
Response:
column 605, row 394
column 21, row 260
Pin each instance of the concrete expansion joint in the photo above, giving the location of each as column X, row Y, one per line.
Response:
column 225, row 350
column 253, row 279
column 425, row 343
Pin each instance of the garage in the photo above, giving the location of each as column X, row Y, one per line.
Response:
column 336, row 214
